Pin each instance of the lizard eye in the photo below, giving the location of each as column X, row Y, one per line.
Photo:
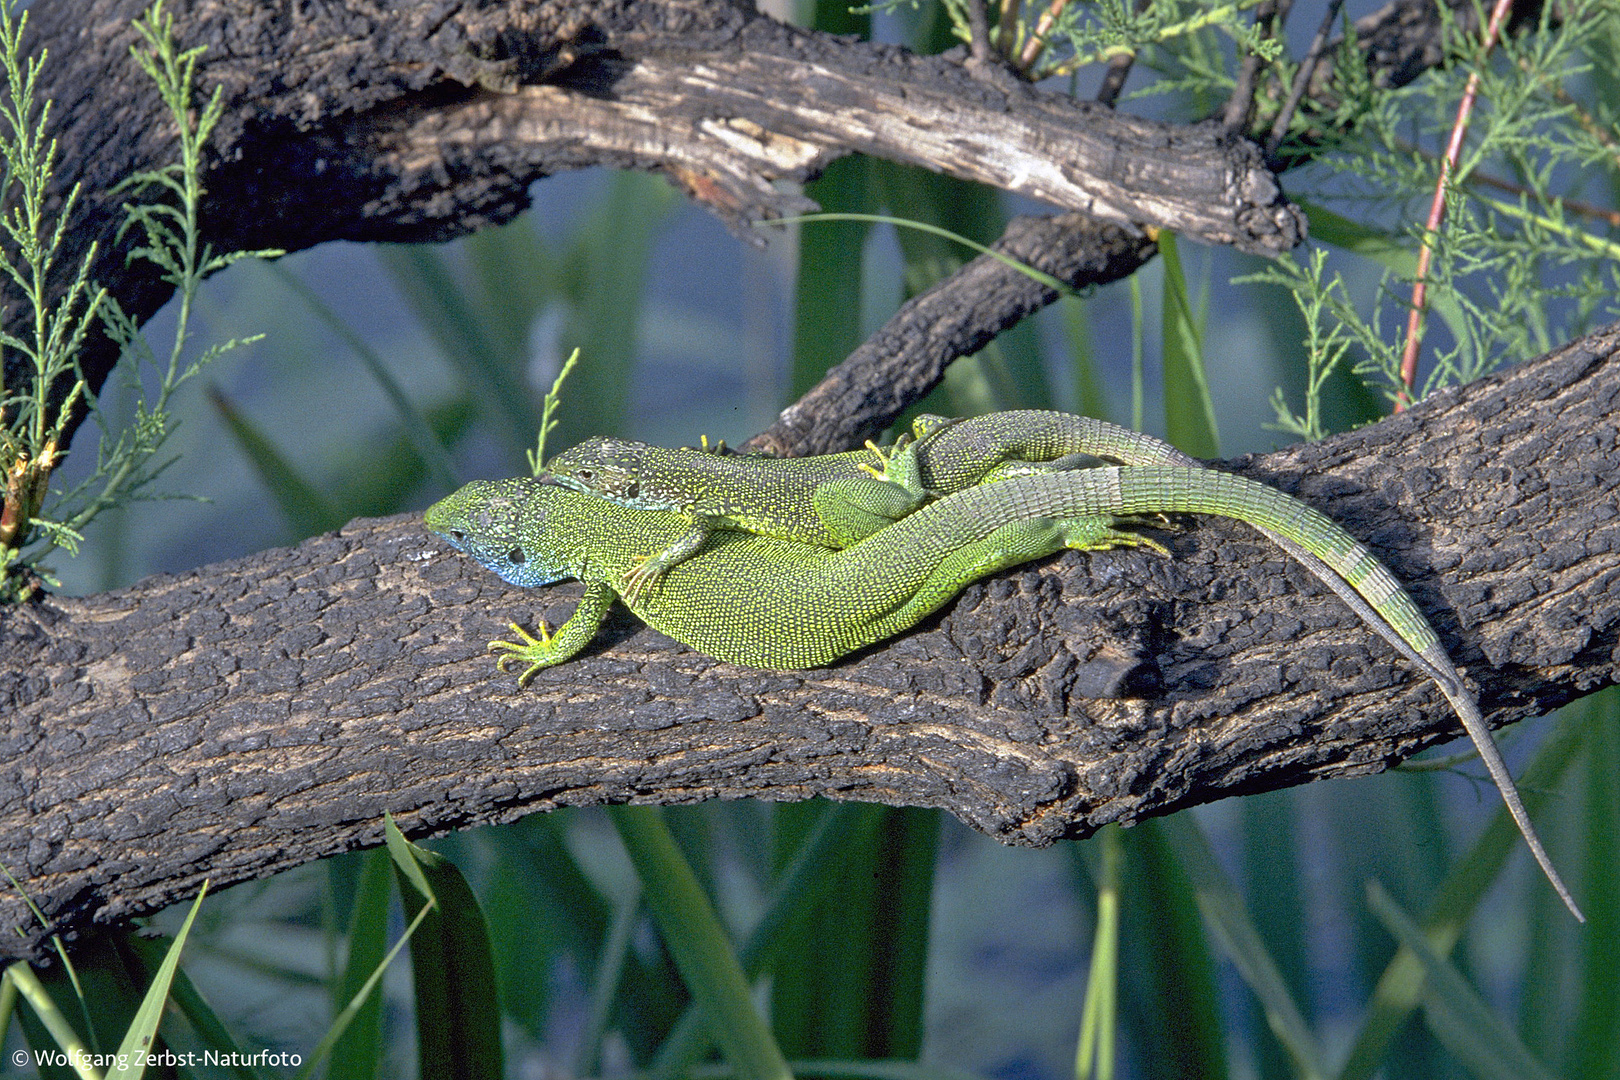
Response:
column 457, row 535
column 516, row 555
column 586, row 474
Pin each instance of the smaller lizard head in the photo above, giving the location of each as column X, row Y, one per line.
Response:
column 611, row 468
column 501, row 525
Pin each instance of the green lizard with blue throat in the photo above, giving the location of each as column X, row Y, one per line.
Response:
column 772, row 602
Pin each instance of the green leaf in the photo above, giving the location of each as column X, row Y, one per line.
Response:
column 357, row 1055
column 692, row 932
column 1167, row 989
column 458, row 1019
column 1456, row 1013
column 1400, row 987
column 142, row 1031
column 818, row 867
column 1224, row 911
column 1189, row 414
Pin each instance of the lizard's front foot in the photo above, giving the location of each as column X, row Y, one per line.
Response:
column 538, row 652
column 885, row 457
column 642, row 576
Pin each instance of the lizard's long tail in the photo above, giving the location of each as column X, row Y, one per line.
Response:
column 1335, row 558
column 1347, row 567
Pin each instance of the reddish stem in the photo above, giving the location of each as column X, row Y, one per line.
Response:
column 1437, row 209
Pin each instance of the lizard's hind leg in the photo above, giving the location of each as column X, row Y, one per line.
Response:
column 854, row 508
column 1009, row 545
column 1099, row 533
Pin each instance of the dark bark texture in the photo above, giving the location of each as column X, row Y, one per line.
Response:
column 252, row 715
column 424, row 121
column 429, row 120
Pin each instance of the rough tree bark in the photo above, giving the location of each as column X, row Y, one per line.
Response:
column 425, row 121
column 253, row 715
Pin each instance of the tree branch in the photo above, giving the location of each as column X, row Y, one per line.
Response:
column 907, row 357
column 249, row 716
column 417, row 122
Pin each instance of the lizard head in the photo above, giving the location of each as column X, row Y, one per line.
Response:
column 501, row 524
column 611, row 468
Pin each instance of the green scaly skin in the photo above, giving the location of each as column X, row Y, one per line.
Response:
column 832, row 500
column 767, row 602
column 827, row 500
column 835, row 500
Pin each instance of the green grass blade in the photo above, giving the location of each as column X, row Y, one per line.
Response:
column 1593, row 1048
column 1276, row 901
column 458, row 1019
column 516, row 277
column 494, row 377
column 1090, row 399
column 605, row 278
column 1099, row 1025
column 185, row 997
column 1224, row 910
column 358, row 1053
column 417, row 430
column 832, row 258
column 307, row 511
column 1400, row 987
column 50, row 1017
column 1456, row 1013
column 1189, row 414
column 138, row 1040
column 849, row 981
column 692, row 932
column 837, row 1069
column 1167, row 990
column 819, row 863
column 610, row 967
column 341, row 1022
column 940, row 213
column 372, row 478
column 541, row 907
column 1394, row 252
column 8, row 1004
column 922, row 226
column 400, row 851
column 1138, row 335
column 1390, row 250
column 404, row 853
